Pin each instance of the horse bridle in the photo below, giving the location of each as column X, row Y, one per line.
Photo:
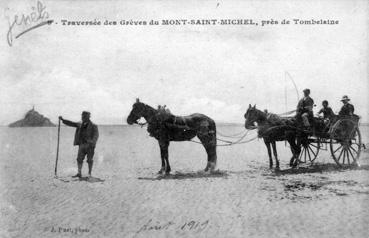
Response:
column 255, row 119
column 140, row 112
column 136, row 114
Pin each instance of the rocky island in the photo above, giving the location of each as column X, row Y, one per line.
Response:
column 33, row 119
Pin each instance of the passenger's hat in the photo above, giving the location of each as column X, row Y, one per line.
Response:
column 86, row 113
column 306, row 90
column 345, row 98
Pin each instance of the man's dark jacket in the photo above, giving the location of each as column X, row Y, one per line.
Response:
column 347, row 110
column 305, row 104
column 92, row 133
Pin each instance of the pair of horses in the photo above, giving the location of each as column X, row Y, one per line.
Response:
column 166, row 127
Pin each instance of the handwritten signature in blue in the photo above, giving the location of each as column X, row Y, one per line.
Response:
column 37, row 18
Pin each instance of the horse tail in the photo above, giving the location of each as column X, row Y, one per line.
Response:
column 212, row 128
column 208, row 137
column 213, row 132
column 208, row 130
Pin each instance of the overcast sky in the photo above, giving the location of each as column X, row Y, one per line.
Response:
column 215, row 70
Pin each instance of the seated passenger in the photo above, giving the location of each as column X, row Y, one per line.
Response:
column 328, row 113
column 326, row 110
column 347, row 108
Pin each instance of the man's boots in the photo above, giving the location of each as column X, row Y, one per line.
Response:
column 90, row 164
column 79, row 174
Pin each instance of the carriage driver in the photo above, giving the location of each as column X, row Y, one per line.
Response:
column 305, row 108
column 85, row 137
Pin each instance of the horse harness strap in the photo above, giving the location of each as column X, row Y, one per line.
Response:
column 182, row 123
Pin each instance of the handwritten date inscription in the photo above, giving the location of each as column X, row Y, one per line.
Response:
column 187, row 226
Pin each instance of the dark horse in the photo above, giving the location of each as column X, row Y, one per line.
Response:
column 166, row 127
column 273, row 128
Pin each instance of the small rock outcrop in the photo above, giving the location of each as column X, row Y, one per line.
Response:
column 33, row 119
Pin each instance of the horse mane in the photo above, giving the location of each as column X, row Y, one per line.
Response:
column 159, row 116
column 273, row 119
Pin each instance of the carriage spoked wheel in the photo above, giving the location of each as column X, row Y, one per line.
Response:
column 345, row 143
column 309, row 150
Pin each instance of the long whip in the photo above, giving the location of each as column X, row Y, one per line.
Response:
column 57, row 151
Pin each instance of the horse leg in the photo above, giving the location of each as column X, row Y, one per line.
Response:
column 267, row 144
column 293, row 155
column 295, row 148
column 162, row 155
column 165, row 157
column 275, row 155
column 209, row 142
column 296, row 156
column 291, row 139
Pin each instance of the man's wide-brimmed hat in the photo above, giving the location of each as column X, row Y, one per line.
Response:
column 345, row 98
column 306, row 90
column 86, row 113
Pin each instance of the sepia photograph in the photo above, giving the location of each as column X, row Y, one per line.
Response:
column 211, row 118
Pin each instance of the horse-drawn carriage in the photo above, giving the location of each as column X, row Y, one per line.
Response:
column 343, row 136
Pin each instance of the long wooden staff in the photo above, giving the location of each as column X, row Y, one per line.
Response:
column 57, row 151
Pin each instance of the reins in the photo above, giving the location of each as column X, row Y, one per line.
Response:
column 236, row 135
column 286, row 113
column 230, row 143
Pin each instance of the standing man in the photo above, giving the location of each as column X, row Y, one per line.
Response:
column 347, row 109
column 305, row 108
column 85, row 137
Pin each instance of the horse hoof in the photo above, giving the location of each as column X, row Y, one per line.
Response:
column 206, row 172
column 212, row 166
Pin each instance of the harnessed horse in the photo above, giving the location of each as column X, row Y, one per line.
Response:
column 166, row 127
column 273, row 128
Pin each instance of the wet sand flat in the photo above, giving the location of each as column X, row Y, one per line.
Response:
column 126, row 198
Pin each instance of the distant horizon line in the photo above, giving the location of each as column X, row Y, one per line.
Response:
column 125, row 124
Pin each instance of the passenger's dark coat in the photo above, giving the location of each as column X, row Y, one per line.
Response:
column 347, row 110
